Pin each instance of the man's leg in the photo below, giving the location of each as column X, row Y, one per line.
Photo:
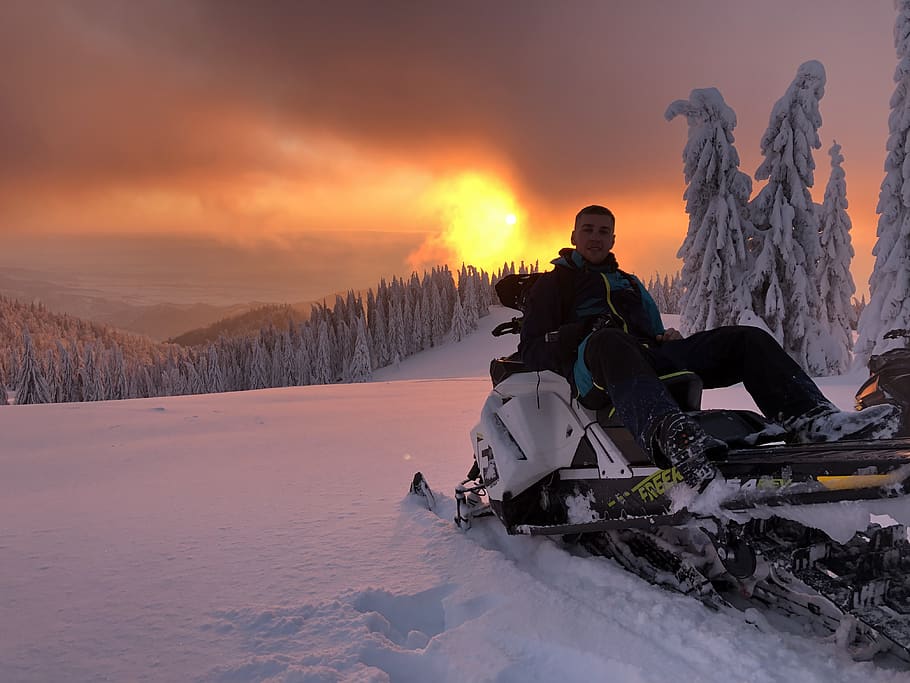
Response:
column 624, row 369
column 619, row 365
column 728, row 355
column 780, row 388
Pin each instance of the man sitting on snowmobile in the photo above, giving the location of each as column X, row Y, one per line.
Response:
column 599, row 327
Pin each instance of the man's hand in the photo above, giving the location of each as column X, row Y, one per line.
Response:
column 669, row 335
column 570, row 336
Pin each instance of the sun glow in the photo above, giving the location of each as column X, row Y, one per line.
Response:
column 480, row 222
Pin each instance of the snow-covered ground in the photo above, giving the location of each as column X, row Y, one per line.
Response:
column 267, row 535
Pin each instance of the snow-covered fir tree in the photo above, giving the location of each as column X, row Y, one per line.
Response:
column 288, row 368
column 396, row 329
column 666, row 292
column 717, row 196
column 90, row 375
column 782, row 279
column 835, row 283
column 468, row 294
column 214, row 378
column 116, row 372
column 379, row 334
column 64, row 392
column 259, row 365
column 889, row 284
column 32, row 386
column 193, row 379
column 344, row 350
column 322, row 367
column 418, row 321
column 426, row 310
column 361, row 368
column 459, row 327
column 858, row 306
column 172, row 378
column 439, row 323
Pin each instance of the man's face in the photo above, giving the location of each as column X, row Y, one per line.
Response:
column 593, row 237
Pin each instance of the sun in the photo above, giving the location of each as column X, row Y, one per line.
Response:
column 481, row 223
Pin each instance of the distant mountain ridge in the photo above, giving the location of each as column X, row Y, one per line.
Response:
column 158, row 320
column 48, row 330
column 247, row 323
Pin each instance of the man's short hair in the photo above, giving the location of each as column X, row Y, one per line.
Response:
column 595, row 209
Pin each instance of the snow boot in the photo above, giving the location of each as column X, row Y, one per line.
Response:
column 687, row 447
column 826, row 423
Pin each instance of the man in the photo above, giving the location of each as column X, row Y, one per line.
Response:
column 598, row 326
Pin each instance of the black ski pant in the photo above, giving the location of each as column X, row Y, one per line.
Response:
column 628, row 369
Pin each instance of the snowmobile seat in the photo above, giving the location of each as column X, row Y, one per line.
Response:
column 684, row 386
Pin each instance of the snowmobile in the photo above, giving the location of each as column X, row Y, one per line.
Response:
column 545, row 464
column 889, row 380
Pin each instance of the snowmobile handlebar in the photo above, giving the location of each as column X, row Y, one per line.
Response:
column 511, row 327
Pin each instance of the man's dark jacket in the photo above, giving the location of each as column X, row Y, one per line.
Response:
column 598, row 291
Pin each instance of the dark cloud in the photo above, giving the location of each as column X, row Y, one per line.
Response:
column 571, row 95
column 564, row 99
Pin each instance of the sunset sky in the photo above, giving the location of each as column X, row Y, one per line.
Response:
column 321, row 145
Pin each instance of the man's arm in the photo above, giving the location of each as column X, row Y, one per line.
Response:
column 662, row 334
column 657, row 323
column 542, row 315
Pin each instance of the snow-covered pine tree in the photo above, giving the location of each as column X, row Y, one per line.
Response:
column 438, row 308
column 306, row 361
column 32, row 385
column 488, row 294
column 407, row 325
column 132, row 379
column 426, row 310
column 288, row 364
column 322, row 366
column 782, row 279
column 302, row 366
column 91, row 376
column 397, row 345
column 859, row 306
column 459, row 325
column 713, row 251
column 65, row 388
column 116, row 372
column 379, row 333
column 342, row 350
column 655, row 289
column 53, row 372
column 259, row 365
column 471, row 302
column 335, row 351
column 675, row 290
column 174, row 381
column 361, row 368
column 835, row 283
column 889, row 284
column 193, row 380
column 343, row 322
column 214, row 379
column 417, row 325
